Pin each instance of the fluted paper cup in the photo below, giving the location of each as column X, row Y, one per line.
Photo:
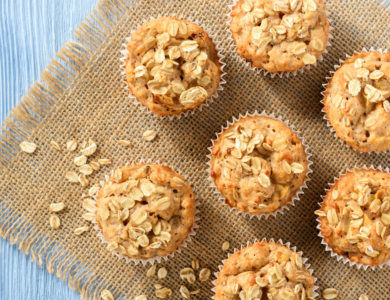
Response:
column 157, row 259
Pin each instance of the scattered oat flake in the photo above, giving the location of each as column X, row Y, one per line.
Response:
column 28, row 147
column 71, row 145
column 54, row 222
column 125, row 143
column 151, row 271
column 163, row 293
column 363, row 297
column 141, row 297
column 329, row 294
column 106, row 295
column 162, row 273
column 81, row 230
column 90, row 149
column 89, row 216
column 72, row 177
column 185, row 292
column 225, row 246
column 93, row 190
column 195, row 292
column 104, row 161
column 83, row 180
column 204, row 274
column 94, row 165
column 55, row 145
column 149, row 135
column 56, row 207
column 89, row 205
column 86, row 169
column 195, row 264
column 80, row 160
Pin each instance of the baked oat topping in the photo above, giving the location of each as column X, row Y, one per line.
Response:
column 258, row 164
column 357, row 101
column 280, row 35
column 356, row 222
column 172, row 66
column 147, row 209
column 264, row 271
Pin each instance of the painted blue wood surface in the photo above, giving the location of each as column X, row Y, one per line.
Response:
column 31, row 32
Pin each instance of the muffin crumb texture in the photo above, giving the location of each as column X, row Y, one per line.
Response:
column 357, row 101
column 264, row 271
column 355, row 216
column 172, row 66
column 280, row 36
column 258, row 164
column 145, row 210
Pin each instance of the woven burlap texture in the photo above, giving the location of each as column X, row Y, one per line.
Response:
column 81, row 95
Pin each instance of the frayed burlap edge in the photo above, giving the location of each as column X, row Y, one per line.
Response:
column 55, row 84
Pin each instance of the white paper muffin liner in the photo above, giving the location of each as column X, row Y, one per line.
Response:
column 280, row 74
column 299, row 191
column 328, row 79
column 157, row 258
column 339, row 257
column 207, row 102
column 288, row 245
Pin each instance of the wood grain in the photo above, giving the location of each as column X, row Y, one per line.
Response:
column 31, row 32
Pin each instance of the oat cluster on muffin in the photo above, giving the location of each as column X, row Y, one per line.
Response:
column 145, row 210
column 264, row 271
column 258, row 164
column 355, row 216
column 172, row 66
column 280, row 36
column 357, row 101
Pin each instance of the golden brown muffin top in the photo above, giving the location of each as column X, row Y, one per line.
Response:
column 357, row 101
column 280, row 36
column 264, row 271
column 355, row 216
column 172, row 66
column 145, row 211
column 258, row 164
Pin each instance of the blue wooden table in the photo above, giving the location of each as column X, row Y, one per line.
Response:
column 31, row 32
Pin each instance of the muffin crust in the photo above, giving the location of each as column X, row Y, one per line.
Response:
column 357, row 101
column 280, row 36
column 264, row 271
column 145, row 211
column 258, row 164
column 355, row 216
column 172, row 66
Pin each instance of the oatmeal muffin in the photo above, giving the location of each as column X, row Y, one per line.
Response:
column 280, row 36
column 355, row 216
column 258, row 164
column 145, row 211
column 357, row 101
column 172, row 66
column 264, row 271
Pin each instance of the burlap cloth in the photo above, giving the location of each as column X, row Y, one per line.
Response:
column 81, row 96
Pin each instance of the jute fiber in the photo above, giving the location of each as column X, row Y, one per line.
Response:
column 81, row 95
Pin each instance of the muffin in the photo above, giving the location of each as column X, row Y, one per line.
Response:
column 172, row 66
column 258, row 164
column 264, row 271
column 355, row 216
column 357, row 101
column 280, row 36
column 145, row 211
